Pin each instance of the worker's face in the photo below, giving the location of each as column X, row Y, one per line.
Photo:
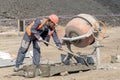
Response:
column 51, row 24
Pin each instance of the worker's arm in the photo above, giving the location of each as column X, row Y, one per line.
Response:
column 56, row 39
column 34, row 28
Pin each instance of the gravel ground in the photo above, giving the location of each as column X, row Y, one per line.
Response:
column 33, row 8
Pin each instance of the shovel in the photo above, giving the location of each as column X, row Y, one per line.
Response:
column 61, row 49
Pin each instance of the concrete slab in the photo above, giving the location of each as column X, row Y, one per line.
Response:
column 6, row 63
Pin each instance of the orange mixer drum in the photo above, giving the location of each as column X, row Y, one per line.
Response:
column 78, row 26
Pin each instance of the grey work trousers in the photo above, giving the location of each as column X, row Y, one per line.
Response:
column 24, row 48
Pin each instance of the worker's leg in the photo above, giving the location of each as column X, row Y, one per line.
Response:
column 36, row 53
column 22, row 50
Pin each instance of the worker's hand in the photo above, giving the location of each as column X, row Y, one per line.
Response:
column 60, row 47
column 40, row 39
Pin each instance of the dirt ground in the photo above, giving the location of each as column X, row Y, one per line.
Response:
column 10, row 42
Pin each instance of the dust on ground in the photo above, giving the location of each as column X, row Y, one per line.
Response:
column 11, row 42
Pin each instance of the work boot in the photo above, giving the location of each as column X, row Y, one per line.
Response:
column 16, row 69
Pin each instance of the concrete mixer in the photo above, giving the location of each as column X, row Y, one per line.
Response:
column 82, row 30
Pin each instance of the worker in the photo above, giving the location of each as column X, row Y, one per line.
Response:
column 38, row 30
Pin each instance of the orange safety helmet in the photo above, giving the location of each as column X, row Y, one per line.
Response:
column 54, row 18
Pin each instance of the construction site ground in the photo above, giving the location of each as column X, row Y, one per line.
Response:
column 10, row 42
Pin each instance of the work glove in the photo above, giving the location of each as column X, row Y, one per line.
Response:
column 59, row 46
column 40, row 39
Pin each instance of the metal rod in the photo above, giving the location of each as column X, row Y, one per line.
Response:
column 98, row 54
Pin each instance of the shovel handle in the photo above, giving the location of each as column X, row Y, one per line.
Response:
column 59, row 48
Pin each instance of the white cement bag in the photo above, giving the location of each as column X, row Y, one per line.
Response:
column 29, row 54
column 4, row 55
